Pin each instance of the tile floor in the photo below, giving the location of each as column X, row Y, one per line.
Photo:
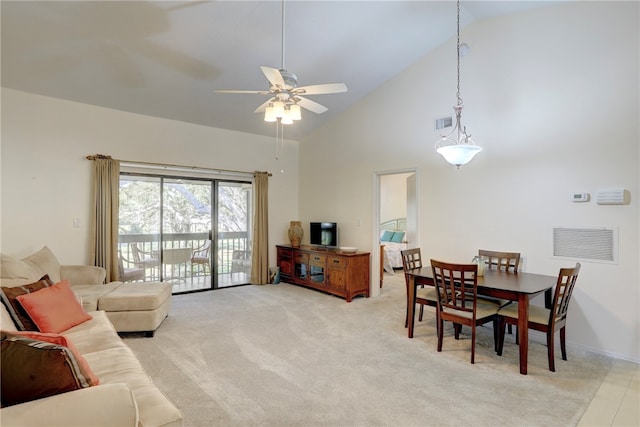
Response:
column 617, row 402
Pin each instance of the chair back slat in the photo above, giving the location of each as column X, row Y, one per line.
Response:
column 507, row 261
column 564, row 289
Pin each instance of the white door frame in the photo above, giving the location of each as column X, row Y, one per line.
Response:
column 374, row 289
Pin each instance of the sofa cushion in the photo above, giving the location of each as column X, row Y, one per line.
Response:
column 18, row 271
column 33, row 369
column 46, row 262
column 61, row 340
column 136, row 297
column 54, row 309
column 119, row 365
column 13, row 268
column 6, row 322
column 94, row 335
column 91, row 294
column 8, row 296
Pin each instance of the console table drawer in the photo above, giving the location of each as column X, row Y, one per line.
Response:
column 301, row 258
column 337, row 263
column 319, row 260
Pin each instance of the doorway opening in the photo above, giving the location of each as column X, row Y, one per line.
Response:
column 395, row 221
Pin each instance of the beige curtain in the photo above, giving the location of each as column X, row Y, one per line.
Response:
column 106, row 203
column 260, row 246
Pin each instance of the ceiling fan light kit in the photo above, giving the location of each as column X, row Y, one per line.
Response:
column 457, row 147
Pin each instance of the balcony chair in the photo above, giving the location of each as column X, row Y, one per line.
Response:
column 144, row 260
column 200, row 257
column 543, row 319
column 129, row 274
column 241, row 262
column 456, row 288
column 411, row 258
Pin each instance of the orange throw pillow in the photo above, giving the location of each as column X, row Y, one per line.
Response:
column 61, row 340
column 54, row 309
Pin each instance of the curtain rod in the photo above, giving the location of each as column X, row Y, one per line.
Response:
column 168, row 166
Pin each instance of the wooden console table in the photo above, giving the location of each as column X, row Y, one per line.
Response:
column 329, row 270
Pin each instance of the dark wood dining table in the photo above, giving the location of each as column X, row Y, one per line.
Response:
column 520, row 287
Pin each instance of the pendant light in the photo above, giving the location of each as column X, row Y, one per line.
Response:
column 457, row 147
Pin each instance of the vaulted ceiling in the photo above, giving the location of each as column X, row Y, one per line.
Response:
column 167, row 58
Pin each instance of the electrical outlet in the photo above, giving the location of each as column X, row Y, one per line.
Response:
column 76, row 222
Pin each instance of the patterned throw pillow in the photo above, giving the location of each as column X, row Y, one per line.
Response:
column 33, row 369
column 61, row 340
column 8, row 296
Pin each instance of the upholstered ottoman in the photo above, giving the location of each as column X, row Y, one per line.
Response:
column 137, row 307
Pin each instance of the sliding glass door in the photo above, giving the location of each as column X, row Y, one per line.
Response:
column 193, row 233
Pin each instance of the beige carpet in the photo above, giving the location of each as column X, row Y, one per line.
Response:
column 281, row 355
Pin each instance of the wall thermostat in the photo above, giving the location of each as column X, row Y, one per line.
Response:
column 580, row 197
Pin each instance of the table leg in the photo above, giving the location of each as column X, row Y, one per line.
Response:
column 411, row 304
column 523, row 331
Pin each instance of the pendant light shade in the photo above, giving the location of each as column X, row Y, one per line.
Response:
column 458, row 155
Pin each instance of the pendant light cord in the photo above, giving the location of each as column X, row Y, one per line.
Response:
column 458, row 52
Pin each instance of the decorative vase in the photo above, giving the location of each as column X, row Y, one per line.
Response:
column 481, row 263
column 295, row 233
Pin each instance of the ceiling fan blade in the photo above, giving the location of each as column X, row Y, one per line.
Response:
column 261, row 108
column 310, row 105
column 321, row 89
column 260, row 92
column 274, row 76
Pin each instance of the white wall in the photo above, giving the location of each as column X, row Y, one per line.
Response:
column 46, row 180
column 393, row 196
column 552, row 96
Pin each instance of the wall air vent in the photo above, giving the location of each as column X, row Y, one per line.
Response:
column 443, row 122
column 614, row 196
column 599, row 244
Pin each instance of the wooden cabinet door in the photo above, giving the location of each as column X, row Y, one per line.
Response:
column 317, row 268
column 285, row 261
column 301, row 266
column 337, row 273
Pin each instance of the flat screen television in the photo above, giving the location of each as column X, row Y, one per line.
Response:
column 323, row 234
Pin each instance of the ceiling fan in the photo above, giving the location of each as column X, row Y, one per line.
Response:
column 285, row 95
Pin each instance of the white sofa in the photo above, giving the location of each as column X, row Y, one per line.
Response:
column 125, row 396
column 131, row 307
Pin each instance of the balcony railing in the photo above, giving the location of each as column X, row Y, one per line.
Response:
column 149, row 246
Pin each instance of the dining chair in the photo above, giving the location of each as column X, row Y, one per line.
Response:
column 412, row 258
column 543, row 319
column 507, row 261
column 496, row 260
column 457, row 291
